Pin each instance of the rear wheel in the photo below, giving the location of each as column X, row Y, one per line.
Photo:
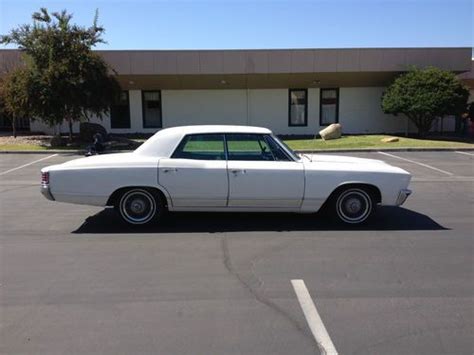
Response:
column 353, row 205
column 140, row 206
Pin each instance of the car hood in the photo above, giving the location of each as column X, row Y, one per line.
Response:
column 345, row 163
column 338, row 159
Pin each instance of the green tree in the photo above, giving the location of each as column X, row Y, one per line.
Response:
column 15, row 94
column 65, row 79
column 3, row 109
column 470, row 110
column 424, row 95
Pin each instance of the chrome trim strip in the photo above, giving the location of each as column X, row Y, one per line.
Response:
column 402, row 196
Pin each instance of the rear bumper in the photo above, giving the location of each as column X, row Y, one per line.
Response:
column 46, row 192
column 402, row 196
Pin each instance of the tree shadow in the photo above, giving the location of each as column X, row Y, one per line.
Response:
column 385, row 219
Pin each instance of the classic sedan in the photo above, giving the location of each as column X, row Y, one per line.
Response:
column 225, row 168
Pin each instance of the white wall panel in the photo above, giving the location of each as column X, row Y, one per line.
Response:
column 269, row 108
column 359, row 111
column 193, row 107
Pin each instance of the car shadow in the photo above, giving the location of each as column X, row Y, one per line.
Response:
column 385, row 219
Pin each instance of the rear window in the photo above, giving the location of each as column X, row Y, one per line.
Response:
column 201, row 147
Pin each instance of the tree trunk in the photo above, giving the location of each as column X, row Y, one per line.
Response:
column 13, row 127
column 423, row 124
column 422, row 133
column 70, row 129
column 421, row 130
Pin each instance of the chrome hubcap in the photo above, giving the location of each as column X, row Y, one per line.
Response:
column 353, row 206
column 137, row 206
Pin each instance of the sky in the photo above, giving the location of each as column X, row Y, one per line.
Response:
column 263, row 24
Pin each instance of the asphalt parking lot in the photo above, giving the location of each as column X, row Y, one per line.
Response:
column 74, row 280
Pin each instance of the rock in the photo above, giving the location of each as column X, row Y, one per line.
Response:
column 332, row 131
column 88, row 129
column 389, row 140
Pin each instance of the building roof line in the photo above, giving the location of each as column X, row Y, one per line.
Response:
column 266, row 49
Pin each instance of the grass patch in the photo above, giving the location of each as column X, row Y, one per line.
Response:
column 346, row 142
column 26, row 147
column 22, row 147
column 374, row 141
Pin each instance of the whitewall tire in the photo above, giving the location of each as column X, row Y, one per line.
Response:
column 139, row 206
column 353, row 205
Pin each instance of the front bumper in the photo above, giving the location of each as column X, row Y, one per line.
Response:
column 46, row 192
column 402, row 196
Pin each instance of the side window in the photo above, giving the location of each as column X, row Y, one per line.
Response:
column 120, row 111
column 201, row 147
column 277, row 151
column 329, row 106
column 151, row 101
column 298, row 107
column 247, row 147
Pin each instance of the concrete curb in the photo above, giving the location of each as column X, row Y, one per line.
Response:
column 40, row 152
column 304, row 151
column 369, row 150
column 56, row 151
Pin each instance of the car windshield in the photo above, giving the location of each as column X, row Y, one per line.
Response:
column 286, row 148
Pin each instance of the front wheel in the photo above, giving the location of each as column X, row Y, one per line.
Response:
column 353, row 205
column 139, row 206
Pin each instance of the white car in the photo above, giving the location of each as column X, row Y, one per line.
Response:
column 225, row 168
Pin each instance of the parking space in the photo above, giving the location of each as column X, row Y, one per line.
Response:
column 75, row 280
column 427, row 164
column 444, row 163
column 11, row 161
column 24, row 168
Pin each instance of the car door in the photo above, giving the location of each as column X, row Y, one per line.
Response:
column 196, row 174
column 259, row 177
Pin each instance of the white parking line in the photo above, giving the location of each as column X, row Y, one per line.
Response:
column 314, row 320
column 25, row 165
column 417, row 163
column 465, row 153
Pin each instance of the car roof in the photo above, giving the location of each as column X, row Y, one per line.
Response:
column 163, row 143
column 217, row 129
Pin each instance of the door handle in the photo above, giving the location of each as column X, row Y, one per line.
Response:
column 238, row 171
column 170, row 170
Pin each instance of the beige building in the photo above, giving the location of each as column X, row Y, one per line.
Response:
column 292, row 92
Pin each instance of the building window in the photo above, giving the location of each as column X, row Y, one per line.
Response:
column 298, row 107
column 151, row 109
column 328, row 107
column 120, row 112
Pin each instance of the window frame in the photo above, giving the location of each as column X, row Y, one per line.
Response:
column 305, row 123
column 321, row 124
column 267, row 137
column 129, row 115
column 187, row 137
column 143, row 109
column 260, row 137
column 270, row 138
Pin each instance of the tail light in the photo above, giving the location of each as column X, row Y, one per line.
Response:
column 44, row 178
